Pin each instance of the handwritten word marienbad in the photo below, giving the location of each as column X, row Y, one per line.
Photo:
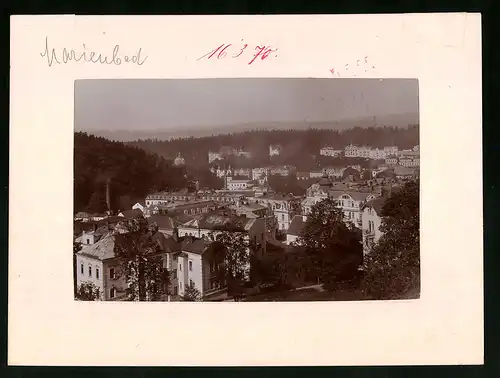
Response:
column 361, row 65
column 114, row 57
column 220, row 52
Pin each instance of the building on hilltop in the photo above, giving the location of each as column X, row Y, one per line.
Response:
column 179, row 160
column 275, row 150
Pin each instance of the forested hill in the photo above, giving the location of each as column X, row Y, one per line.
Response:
column 131, row 172
column 298, row 144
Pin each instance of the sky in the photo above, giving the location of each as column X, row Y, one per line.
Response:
column 172, row 104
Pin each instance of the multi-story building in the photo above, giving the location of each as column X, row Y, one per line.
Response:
column 284, row 207
column 98, row 263
column 330, row 151
column 213, row 156
column 336, row 172
column 391, row 150
column 371, row 220
column 179, row 160
column 349, row 201
column 232, row 184
column 377, row 154
column 391, row 160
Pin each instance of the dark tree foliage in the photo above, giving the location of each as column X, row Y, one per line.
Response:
column 147, row 278
column 286, row 184
column 129, row 170
column 191, row 294
column 300, row 147
column 87, row 291
column 334, row 248
column 392, row 268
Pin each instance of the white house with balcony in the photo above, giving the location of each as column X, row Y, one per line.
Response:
column 371, row 220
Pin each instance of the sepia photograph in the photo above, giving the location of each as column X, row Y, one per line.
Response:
column 246, row 190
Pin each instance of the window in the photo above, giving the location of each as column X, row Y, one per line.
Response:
column 190, row 265
column 180, row 267
column 174, row 272
column 175, row 290
column 112, row 292
column 81, row 268
column 97, row 273
column 112, row 273
column 90, row 271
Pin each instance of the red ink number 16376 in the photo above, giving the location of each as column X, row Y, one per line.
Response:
column 262, row 52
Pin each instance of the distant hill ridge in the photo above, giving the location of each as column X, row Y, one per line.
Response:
column 394, row 120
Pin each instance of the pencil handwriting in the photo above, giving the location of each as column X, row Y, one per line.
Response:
column 114, row 57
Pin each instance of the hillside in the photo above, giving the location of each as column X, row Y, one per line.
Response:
column 393, row 120
column 299, row 146
column 130, row 171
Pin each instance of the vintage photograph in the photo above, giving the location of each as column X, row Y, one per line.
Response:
column 246, row 190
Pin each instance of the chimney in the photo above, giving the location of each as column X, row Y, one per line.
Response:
column 108, row 193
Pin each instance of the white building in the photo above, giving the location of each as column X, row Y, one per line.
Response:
column 213, row 156
column 330, row 151
column 179, row 160
column 371, row 222
column 233, row 185
column 349, row 201
column 274, row 150
column 284, row 207
column 391, row 150
column 377, row 154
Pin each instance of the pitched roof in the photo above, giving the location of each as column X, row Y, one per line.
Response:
column 82, row 214
column 197, row 246
column 167, row 244
column 357, row 196
column 164, row 222
column 296, row 226
column 132, row 213
column 376, row 204
column 102, row 250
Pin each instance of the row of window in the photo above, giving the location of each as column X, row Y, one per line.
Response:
column 112, row 273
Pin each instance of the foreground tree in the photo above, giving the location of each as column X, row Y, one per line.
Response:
column 392, row 268
column 87, row 291
column 192, row 294
column 147, row 278
column 232, row 253
column 333, row 246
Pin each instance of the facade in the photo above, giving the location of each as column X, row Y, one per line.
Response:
column 391, row 160
column 330, row 151
column 303, row 175
column 349, row 201
column 371, row 222
column 377, row 154
column 282, row 206
column 260, row 174
column 336, row 172
column 391, row 150
column 233, row 185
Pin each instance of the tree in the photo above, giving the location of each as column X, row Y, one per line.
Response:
column 333, row 246
column 87, row 291
column 97, row 202
column 192, row 294
column 147, row 278
column 232, row 252
column 392, row 268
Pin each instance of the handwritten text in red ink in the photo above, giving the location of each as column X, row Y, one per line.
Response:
column 242, row 51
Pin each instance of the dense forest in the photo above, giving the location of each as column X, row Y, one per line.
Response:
column 130, row 173
column 300, row 147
